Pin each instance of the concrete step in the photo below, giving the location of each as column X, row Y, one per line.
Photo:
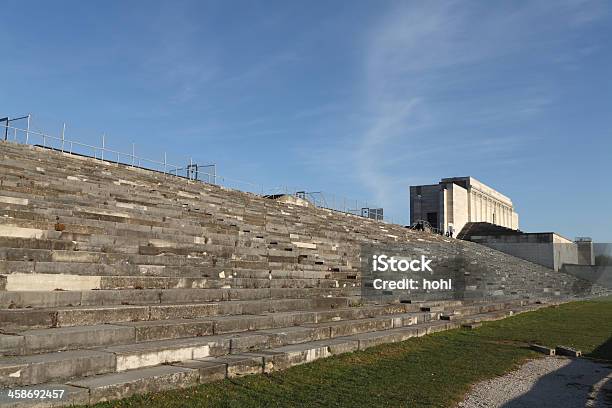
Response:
column 108, row 387
column 53, row 367
column 15, row 320
column 71, row 338
column 139, row 242
column 237, row 365
column 151, row 269
column 371, row 339
column 349, row 327
column 121, row 385
column 78, row 337
column 297, row 354
column 46, row 299
column 172, row 234
column 53, row 339
column 133, row 356
column 71, row 247
column 20, row 282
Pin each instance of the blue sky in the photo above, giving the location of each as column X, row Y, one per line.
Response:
column 356, row 98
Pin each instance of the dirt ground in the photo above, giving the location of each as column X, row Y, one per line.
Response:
column 553, row 382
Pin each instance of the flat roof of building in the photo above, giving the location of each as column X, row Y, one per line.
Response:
column 479, row 185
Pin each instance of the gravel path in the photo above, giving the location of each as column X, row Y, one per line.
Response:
column 553, row 382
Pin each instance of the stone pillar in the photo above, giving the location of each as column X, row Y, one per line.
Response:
column 483, row 210
column 505, row 216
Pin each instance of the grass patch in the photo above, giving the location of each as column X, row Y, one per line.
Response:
column 431, row 371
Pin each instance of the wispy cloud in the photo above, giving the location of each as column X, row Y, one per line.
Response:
column 432, row 72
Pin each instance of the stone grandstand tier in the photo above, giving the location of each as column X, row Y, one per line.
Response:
column 117, row 280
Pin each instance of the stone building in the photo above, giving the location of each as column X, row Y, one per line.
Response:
column 544, row 248
column 455, row 201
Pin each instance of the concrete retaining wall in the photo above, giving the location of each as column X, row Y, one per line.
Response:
column 601, row 275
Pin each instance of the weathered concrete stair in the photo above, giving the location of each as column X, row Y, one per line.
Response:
column 116, row 280
column 327, row 324
column 337, row 322
column 119, row 371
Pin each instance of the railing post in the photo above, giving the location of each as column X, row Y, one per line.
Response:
column 133, row 153
column 63, row 136
column 6, row 128
column 103, row 144
column 28, row 129
column 165, row 163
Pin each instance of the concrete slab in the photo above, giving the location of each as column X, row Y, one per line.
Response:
column 170, row 329
column 121, row 385
column 14, row 320
column 367, row 340
column 91, row 315
column 542, row 349
column 272, row 360
column 297, row 354
column 120, row 297
column 306, row 245
column 294, row 318
column 185, row 311
column 42, row 368
column 210, row 371
column 14, row 200
column 293, row 335
column 342, row 345
column 248, row 342
column 234, row 324
column 70, row 338
column 151, row 282
column 153, row 353
column 50, row 282
column 18, row 232
column 11, row 345
column 240, row 364
column 350, row 327
column 567, row 351
column 40, row 299
column 434, row 327
column 192, row 295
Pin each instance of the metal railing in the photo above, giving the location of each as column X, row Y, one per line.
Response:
column 98, row 152
column 27, row 135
